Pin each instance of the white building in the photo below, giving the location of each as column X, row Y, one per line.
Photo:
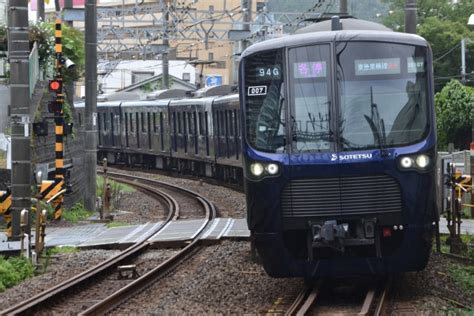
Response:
column 113, row 76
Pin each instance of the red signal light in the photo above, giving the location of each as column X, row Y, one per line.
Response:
column 55, row 85
column 387, row 232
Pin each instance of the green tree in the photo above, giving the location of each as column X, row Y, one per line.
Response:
column 453, row 115
column 443, row 24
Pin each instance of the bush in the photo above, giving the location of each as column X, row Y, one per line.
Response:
column 13, row 271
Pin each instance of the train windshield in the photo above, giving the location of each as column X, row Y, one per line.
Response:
column 265, row 115
column 383, row 94
column 310, row 95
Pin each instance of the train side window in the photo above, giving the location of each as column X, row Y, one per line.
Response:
column 105, row 121
column 137, row 122
column 217, row 123
column 161, row 132
column 179, row 122
column 236, row 123
column 126, row 129
column 184, row 122
column 142, row 121
column 201, row 127
column 112, row 123
column 190, row 124
column 154, row 123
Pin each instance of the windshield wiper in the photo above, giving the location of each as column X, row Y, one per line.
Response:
column 377, row 125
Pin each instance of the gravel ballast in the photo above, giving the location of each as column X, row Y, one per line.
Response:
column 223, row 279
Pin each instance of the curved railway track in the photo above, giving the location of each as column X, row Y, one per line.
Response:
column 43, row 300
column 374, row 303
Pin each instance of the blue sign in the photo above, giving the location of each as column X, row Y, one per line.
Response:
column 213, row 81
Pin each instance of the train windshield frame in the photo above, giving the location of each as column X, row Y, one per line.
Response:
column 342, row 96
column 383, row 94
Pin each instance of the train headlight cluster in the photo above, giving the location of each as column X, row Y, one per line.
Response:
column 420, row 162
column 258, row 169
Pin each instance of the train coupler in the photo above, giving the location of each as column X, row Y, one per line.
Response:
column 338, row 236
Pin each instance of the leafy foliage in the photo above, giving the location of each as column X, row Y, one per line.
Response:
column 64, row 249
column 453, row 110
column 443, row 24
column 76, row 213
column 43, row 33
column 13, row 271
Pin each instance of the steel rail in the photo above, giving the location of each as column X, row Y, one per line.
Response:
column 376, row 297
column 28, row 305
column 131, row 289
column 305, row 299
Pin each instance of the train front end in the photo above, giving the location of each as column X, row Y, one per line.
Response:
column 339, row 148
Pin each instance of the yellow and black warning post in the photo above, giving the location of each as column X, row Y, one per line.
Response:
column 5, row 210
column 51, row 189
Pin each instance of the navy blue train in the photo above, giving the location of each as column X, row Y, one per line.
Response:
column 190, row 135
column 339, row 150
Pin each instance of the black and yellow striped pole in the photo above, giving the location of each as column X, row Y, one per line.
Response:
column 56, row 86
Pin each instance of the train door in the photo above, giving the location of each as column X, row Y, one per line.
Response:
column 314, row 173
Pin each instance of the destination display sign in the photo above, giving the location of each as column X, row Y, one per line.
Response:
column 316, row 69
column 415, row 65
column 381, row 66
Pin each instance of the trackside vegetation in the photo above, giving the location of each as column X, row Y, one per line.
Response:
column 14, row 270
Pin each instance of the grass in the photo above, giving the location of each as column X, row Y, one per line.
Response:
column 464, row 277
column 116, row 186
column 14, row 270
column 117, row 224
column 63, row 249
column 76, row 213
column 3, row 159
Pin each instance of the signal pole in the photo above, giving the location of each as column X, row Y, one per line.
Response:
column 90, row 158
column 410, row 16
column 18, row 52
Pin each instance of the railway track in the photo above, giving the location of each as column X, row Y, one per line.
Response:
column 58, row 295
column 310, row 298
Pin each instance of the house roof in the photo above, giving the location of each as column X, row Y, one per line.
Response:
column 155, row 78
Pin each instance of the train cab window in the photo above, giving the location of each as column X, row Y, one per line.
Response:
column 310, row 105
column 264, row 101
column 383, row 94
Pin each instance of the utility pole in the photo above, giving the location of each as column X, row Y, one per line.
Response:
column 343, row 7
column 91, row 105
column 40, row 10
column 410, row 16
column 463, row 61
column 166, row 45
column 18, row 52
column 247, row 8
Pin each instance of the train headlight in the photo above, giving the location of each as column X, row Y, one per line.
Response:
column 422, row 161
column 272, row 169
column 406, row 162
column 256, row 169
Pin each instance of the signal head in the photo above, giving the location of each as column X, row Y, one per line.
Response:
column 55, row 85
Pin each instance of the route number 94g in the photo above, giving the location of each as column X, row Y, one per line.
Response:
column 257, row 90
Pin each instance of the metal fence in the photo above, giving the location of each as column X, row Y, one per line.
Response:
column 34, row 69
